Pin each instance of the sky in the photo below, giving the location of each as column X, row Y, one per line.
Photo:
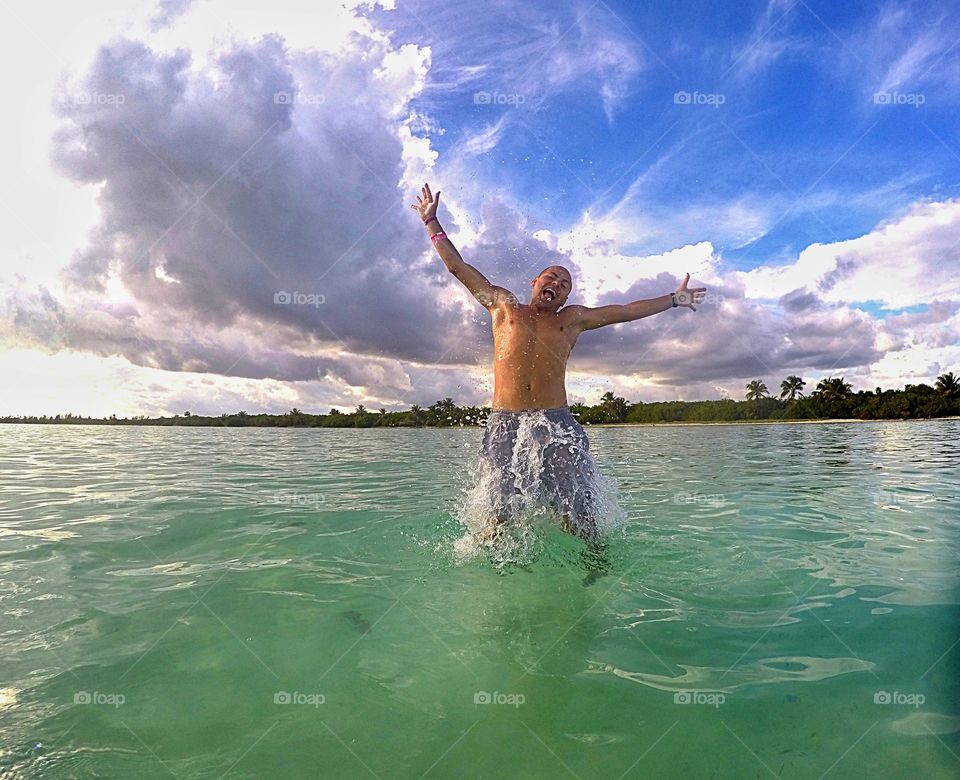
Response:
column 207, row 207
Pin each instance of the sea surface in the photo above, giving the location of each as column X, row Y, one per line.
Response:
column 282, row 603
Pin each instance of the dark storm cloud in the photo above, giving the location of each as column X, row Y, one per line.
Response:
column 36, row 319
column 226, row 190
column 844, row 269
column 727, row 337
column 800, row 300
column 246, row 183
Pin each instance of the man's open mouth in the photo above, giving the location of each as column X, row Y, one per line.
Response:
column 548, row 294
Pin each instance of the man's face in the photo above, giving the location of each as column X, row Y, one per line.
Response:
column 551, row 288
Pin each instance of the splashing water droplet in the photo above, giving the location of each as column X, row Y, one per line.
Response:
column 535, row 504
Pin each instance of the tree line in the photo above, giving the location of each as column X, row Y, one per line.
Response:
column 832, row 398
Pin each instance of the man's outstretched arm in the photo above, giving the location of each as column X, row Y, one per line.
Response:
column 479, row 286
column 587, row 318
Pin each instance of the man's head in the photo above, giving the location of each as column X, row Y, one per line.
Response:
column 549, row 290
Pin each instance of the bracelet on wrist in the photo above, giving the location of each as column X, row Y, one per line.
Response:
column 437, row 236
column 673, row 297
column 428, row 221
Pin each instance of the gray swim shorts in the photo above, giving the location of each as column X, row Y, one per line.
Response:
column 537, row 460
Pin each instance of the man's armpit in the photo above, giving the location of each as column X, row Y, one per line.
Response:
column 575, row 315
column 500, row 296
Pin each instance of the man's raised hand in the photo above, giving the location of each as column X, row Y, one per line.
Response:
column 426, row 205
column 688, row 297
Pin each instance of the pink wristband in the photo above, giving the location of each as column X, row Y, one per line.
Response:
column 437, row 236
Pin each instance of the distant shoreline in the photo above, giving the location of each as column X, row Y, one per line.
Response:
column 768, row 422
column 677, row 423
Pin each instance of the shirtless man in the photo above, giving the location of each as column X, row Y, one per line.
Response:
column 532, row 342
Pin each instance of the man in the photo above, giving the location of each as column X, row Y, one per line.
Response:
column 533, row 446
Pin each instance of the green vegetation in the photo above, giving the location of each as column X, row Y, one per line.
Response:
column 832, row 399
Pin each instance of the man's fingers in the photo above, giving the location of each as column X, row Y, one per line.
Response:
column 426, row 188
column 436, row 198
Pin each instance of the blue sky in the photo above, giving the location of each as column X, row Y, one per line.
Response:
column 798, row 116
column 799, row 159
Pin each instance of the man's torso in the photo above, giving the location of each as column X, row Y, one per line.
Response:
column 530, row 357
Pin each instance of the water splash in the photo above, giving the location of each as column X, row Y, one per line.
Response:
column 542, row 448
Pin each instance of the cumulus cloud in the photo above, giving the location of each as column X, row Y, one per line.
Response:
column 254, row 236
column 900, row 263
column 249, row 180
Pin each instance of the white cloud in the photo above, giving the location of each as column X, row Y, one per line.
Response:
column 899, row 263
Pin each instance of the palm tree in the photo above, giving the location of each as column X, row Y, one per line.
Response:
column 416, row 411
column 756, row 390
column 444, row 411
column 792, row 387
column 831, row 389
column 360, row 410
column 948, row 385
column 614, row 406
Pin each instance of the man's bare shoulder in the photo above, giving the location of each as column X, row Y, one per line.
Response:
column 571, row 315
column 501, row 298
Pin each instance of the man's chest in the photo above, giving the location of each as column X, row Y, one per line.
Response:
column 516, row 330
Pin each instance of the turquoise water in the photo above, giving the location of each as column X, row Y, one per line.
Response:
column 255, row 603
